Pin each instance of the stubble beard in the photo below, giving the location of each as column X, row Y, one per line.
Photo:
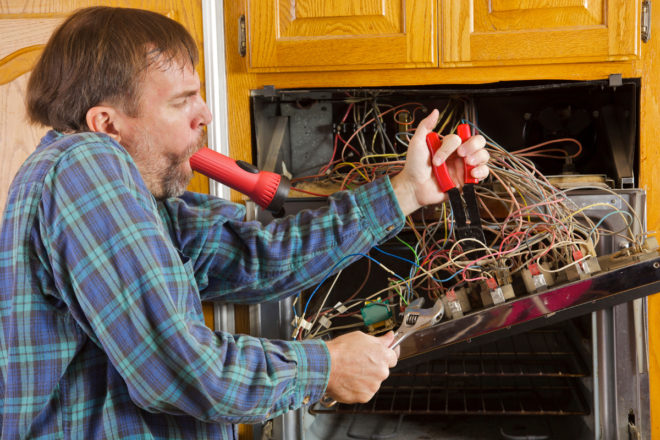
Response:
column 168, row 176
column 177, row 175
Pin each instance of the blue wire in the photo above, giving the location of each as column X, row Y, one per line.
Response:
column 332, row 271
column 417, row 265
column 602, row 219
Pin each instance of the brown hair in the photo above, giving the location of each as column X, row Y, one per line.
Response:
column 100, row 55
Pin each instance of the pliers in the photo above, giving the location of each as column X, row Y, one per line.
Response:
column 466, row 216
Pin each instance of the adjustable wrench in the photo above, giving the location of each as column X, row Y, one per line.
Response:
column 415, row 319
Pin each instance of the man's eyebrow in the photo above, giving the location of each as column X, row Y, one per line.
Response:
column 184, row 94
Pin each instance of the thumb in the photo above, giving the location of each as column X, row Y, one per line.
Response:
column 387, row 338
column 430, row 121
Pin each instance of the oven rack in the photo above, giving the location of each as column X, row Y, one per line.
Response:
column 534, row 373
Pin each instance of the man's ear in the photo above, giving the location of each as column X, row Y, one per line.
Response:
column 104, row 119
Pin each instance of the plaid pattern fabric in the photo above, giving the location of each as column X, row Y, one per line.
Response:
column 102, row 327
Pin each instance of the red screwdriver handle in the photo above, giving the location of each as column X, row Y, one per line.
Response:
column 463, row 132
column 434, row 143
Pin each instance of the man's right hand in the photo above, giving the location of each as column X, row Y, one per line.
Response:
column 358, row 364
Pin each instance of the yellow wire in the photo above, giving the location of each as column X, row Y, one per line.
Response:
column 351, row 164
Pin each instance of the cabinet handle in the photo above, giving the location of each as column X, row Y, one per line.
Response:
column 242, row 38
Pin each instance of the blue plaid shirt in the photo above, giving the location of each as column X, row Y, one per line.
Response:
column 100, row 299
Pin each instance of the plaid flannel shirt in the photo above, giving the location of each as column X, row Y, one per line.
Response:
column 100, row 299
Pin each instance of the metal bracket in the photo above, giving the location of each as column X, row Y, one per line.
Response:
column 646, row 21
column 615, row 80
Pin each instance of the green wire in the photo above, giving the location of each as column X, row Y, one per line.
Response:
column 409, row 247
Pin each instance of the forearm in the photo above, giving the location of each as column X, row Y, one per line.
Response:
column 249, row 262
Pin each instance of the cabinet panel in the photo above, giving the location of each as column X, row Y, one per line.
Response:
column 306, row 34
column 507, row 31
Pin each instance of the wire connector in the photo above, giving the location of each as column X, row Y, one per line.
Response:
column 325, row 321
column 340, row 307
column 299, row 322
column 583, row 267
column 454, row 309
column 495, row 291
column 537, row 277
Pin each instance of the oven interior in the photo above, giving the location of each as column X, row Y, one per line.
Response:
column 561, row 376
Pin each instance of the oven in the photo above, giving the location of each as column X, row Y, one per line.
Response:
column 544, row 342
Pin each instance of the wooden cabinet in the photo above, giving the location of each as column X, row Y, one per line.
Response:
column 304, row 35
column 341, row 34
column 516, row 32
column 478, row 41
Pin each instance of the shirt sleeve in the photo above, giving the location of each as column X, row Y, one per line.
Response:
column 247, row 262
column 136, row 297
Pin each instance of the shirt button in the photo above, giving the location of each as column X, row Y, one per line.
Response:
column 306, row 400
column 389, row 228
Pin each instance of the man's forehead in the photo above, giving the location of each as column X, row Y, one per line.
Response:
column 171, row 77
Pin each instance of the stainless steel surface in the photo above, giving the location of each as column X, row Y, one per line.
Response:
column 605, row 383
column 597, row 292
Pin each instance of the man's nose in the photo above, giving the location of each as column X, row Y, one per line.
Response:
column 204, row 116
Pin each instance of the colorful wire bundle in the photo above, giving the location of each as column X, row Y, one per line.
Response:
column 527, row 220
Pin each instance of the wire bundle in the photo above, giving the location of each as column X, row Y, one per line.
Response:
column 526, row 219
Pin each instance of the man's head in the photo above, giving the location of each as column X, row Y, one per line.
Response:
column 128, row 73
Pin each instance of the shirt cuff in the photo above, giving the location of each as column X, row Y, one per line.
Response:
column 313, row 371
column 380, row 209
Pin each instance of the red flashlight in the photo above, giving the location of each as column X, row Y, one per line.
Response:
column 268, row 190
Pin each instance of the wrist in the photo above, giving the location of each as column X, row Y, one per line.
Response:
column 404, row 192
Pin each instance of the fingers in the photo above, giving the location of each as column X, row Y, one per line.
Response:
column 474, row 153
column 480, row 172
column 473, row 145
column 450, row 143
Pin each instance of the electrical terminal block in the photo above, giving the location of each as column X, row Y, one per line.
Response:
column 650, row 244
column 584, row 269
column 456, row 303
column 503, row 276
column 493, row 294
column 589, row 248
column 537, row 277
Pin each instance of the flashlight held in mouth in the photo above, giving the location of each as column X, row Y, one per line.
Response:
column 268, row 190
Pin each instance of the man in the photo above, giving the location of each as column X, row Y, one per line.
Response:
column 104, row 257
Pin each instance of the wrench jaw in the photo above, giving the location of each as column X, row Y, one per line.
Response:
column 416, row 319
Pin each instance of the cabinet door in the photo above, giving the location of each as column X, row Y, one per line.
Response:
column 25, row 28
column 341, row 34
column 534, row 31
